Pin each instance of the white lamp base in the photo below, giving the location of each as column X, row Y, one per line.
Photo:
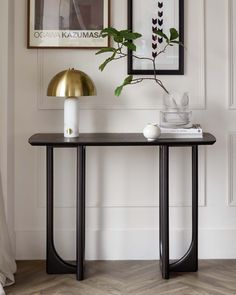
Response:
column 71, row 124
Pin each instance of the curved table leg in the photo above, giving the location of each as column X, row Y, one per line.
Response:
column 189, row 262
column 80, row 226
column 164, row 211
column 55, row 264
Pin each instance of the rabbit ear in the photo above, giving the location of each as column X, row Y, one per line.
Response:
column 185, row 99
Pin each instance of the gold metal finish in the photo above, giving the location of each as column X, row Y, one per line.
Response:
column 71, row 83
column 69, row 131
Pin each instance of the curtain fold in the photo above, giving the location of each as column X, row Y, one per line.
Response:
column 7, row 261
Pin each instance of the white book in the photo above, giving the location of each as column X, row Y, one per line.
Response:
column 195, row 129
column 180, row 135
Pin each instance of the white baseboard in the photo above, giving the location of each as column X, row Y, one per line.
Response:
column 130, row 244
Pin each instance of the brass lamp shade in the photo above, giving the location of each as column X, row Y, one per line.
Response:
column 71, row 83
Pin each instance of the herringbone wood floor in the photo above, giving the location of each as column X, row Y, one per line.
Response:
column 215, row 277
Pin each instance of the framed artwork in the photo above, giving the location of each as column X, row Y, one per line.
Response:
column 147, row 16
column 67, row 23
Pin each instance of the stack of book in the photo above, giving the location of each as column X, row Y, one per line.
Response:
column 194, row 131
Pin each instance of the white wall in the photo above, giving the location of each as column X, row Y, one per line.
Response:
column 122, row 183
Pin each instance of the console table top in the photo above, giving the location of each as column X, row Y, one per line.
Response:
column 114, row 139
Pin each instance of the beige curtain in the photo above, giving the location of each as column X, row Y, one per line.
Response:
column 7, row 261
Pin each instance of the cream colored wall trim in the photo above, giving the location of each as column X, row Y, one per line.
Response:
column 128, row 244
column 146, row 202
column 231, row 171
column 231, row 61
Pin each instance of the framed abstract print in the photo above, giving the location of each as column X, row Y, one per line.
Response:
column 147, row 16
column 67, row 23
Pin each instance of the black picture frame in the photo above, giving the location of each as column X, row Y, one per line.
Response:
column 180, row 70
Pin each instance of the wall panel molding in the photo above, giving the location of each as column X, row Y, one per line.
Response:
column 231, row 169
column 202, row 104
column 231, row 61
column 198, row 100
column 70, row 201
column 127, row 244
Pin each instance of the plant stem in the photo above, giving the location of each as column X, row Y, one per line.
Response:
column 139, row 80
column 163, row 50
column 153, row 60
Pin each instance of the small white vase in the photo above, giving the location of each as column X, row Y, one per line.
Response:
column 152, row 132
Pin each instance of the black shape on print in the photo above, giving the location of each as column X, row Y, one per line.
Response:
column 154, row 38
column 154, row 54
column 160, row 19
column 154, row 45
column 154, row 21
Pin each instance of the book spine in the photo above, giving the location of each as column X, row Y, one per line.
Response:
column 181, row 131
column 183, row 135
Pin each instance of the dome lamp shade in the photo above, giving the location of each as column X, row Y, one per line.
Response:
column 71, row 84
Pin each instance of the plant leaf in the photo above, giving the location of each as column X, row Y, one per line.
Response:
column 128, row 80
column 118, row 90
column 173, row 34
column 106, row 62
column 106, row 49
column 178, row 42
column 130, row 45
column 118, row 39
column 137, row 35
column 128, row 35
column 109, row 31
column 161, row 34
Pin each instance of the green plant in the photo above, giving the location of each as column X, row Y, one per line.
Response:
column 125, row 39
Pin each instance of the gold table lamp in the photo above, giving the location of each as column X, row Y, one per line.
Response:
column 71, row 84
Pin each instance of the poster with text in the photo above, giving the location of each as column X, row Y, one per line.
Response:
column 67, row 23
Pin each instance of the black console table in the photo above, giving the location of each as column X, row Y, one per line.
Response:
column 55, row 264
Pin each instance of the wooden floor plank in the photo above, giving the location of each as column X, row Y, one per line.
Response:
column 215, row 277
